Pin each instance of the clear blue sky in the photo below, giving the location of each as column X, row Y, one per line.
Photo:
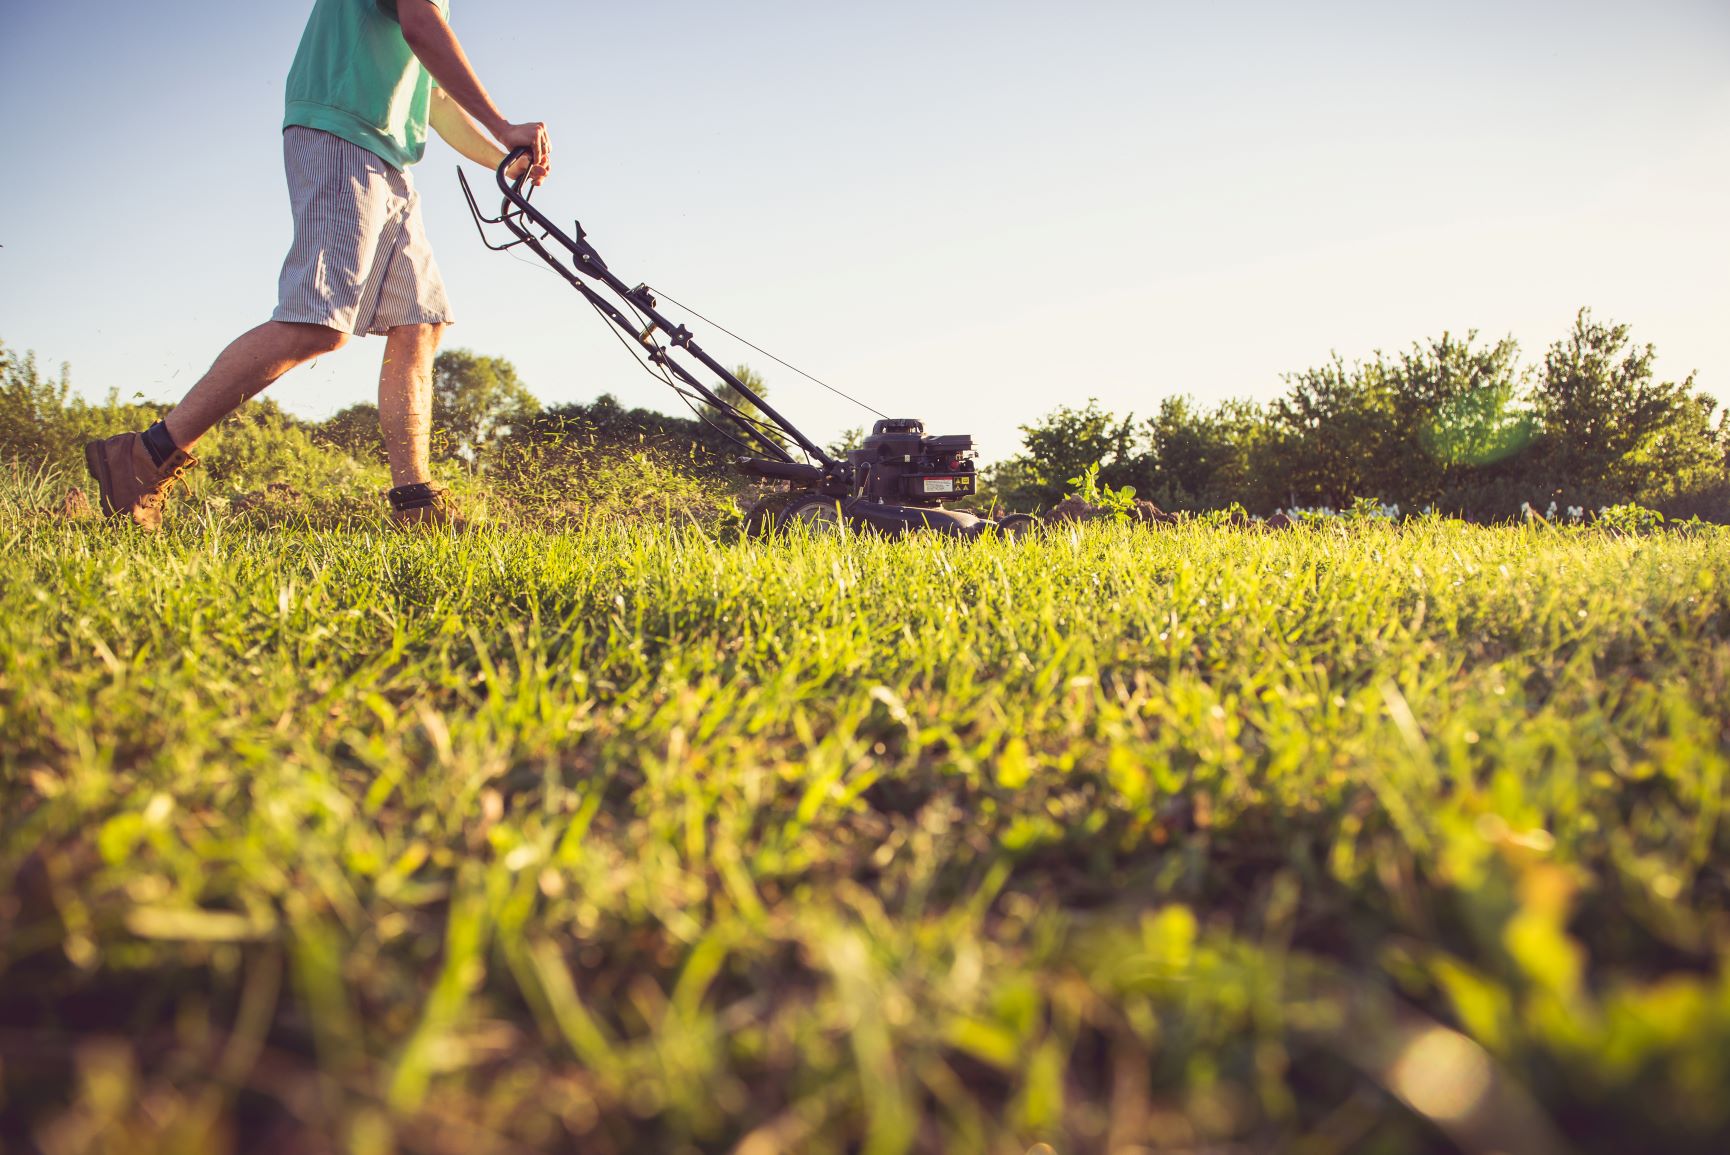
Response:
column 966, row 211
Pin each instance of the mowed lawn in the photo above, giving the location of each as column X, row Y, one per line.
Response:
column 1355, row 838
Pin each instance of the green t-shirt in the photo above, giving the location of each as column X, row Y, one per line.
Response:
column 356, row 77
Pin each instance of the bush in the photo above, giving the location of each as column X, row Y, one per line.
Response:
column 577, row 463
column 1451, row 424
column 261, row 445
column 43, row 424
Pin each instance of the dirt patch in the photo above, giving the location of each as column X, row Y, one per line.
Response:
column 76, row 507
column 1150, row 514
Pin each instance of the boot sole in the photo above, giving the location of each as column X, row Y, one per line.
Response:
column 98, row 470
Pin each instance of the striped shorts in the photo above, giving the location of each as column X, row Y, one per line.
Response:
column 361, row 262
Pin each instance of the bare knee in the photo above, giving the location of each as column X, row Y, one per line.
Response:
column 308, row 341
column 421, row 337
column 324, row 340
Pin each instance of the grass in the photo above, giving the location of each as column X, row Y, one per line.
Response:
column 633, row 837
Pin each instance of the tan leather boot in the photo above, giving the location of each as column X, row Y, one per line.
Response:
column 131, row 483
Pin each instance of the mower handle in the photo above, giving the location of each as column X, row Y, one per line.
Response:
column 516, row 200
column 506, row 184
column 522, row 219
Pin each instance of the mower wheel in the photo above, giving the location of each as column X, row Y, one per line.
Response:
column 1013, row 525
column 775, row 514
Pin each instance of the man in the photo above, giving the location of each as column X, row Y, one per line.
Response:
column 369, row 78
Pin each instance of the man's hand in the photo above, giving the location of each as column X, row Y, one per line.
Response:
column 531, row 136
column 433, row 42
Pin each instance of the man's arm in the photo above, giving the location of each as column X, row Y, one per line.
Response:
column 460, row 131
column 437, row 47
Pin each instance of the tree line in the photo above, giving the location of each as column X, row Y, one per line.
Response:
column 485, row 419
column 1453, row 423
column 1457, row 424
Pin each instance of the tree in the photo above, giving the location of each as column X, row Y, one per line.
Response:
column 43, row 423
column 849, row 440
column 1011, row 483
column 1065, row 442
column 730, row 394
column 1199, row 459
column 1459, row 409
column 33, row 408
column 475, row 400
column 574, row 436
column 1610, row 427
column 1333, row 433
column 353, row 430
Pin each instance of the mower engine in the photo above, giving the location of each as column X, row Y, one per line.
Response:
column 900, row 465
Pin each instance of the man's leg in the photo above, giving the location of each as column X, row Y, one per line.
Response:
column 405, row 401
column 134, row 470
column 245, row 369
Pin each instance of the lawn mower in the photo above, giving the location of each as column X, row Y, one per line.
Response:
column 898, row 480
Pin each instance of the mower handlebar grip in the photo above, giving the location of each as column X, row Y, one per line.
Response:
column 505, row 182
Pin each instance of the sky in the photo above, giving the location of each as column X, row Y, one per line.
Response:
column 969, row 212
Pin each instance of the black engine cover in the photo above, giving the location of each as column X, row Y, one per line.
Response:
column 900, row 464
